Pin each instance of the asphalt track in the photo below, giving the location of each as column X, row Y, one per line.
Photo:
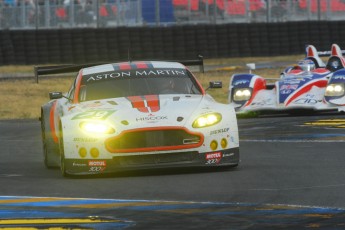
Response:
column 291, row 176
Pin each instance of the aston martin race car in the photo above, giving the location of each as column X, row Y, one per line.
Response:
column 136, row 115
column 310, row 85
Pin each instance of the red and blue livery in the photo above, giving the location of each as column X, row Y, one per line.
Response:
column 309, row 85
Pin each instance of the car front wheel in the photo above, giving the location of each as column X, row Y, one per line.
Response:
column 62, row 156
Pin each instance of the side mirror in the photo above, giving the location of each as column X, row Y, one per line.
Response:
column 55, row 95
column 215, row 84
column 250, row 66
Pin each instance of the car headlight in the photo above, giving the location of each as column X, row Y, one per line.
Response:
column 207, row 120
column 335, row 90
column 96, row 127
column 242, row 94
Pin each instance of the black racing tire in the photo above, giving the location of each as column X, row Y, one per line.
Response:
column 50, row 149
column 62, row 155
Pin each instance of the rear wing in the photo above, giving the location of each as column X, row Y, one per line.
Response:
column 69, row 68
column 328, row 53
column 322, row 53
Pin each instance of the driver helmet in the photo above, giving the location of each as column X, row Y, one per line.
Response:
column 335, row 64
column 165, row 83
column 306, row 65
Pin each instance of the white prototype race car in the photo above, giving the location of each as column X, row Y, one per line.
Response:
column 136, row 115
column 309, row 86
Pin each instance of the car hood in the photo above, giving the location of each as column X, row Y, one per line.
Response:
column 144, row 111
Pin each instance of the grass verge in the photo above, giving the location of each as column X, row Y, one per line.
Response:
column 22, row 98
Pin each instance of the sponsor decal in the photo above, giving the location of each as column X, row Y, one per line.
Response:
column 286, row 91
column 241, row 82
column 152, row 118
column 310, row 95
column 219, row 131
column 228, row 154
column 78, row 164
column 93, row 163
column 289, row 87
column 213, row 158
column 94, row 114
column 308, row 77
column 159, row 72
column 135, row 73
column 106, row 76
column 263, row 102
column 338, row 77
column 290, row 81
column 84, row 139
column 309, row 101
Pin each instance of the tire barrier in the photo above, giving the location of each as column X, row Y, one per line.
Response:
column 90, row 45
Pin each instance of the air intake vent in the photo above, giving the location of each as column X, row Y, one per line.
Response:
column 154, row 139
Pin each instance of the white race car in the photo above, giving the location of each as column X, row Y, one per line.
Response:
column 310, row 85
column 135, row 115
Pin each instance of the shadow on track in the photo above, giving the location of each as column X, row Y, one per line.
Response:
column 158, row 172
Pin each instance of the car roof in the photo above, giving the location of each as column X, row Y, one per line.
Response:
column 132, row 66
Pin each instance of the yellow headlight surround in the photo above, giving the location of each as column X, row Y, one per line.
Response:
column 207, row 120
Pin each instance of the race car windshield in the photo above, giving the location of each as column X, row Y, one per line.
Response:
column 299, row 76
column 97, row 88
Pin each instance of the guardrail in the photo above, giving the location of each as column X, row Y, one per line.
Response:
column 43, row 14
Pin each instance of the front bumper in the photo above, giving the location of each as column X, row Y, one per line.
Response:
column 228, row 157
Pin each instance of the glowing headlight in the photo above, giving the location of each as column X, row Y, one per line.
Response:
column 335, row 90
column 96, row 127
column 207, row 120
column 242, row 94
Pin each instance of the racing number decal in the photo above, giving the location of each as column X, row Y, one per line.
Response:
column 96, row 169
column 97, row 114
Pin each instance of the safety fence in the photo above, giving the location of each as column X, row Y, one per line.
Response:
column 89, row 45
column 44, row 14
